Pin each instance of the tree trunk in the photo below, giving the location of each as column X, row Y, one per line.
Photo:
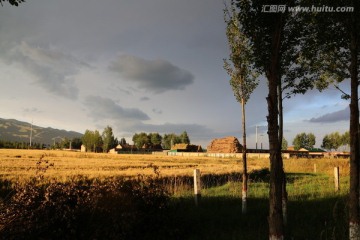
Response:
column 354, row 218
column 245, row 174
column 276, row 228
column 281, row 135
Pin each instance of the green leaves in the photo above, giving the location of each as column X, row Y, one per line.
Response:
column 92, row 140
column 304, row 140
column 335, row 140
column 108, row 139
column 243, row 77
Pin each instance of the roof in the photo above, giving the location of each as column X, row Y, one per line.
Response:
column 182, row 146
column 316, row 150
column 303, row 150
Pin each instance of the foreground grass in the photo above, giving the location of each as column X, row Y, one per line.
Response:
column 315, row 211
column 142, row 209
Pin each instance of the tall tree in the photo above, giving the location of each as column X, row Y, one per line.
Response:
column 334, row 57
column 276, row 37
column 304, row 140
column 184, row 137
column 76, row 143
column 97, row 141
column 345, row 139
column 108, row 139
column 122, row 142
column 140, row 139
column 243, row 78
column 87, row 139
column 266, row 33
column 332, row 141
column 170, row 140
column 284, row 144
column 155, row 138
column 92, row 140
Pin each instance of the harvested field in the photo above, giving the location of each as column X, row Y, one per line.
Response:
column 21, row 165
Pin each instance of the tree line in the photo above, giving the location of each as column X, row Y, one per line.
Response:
column 331, row 141
column 96, row 142
column 64, row 143
column 155, row 139
column 20, row 145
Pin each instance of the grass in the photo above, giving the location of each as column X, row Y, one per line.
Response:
column 315, row 210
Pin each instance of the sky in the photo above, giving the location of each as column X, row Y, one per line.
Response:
column 139, row 66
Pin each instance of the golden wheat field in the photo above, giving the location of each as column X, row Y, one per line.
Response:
column 22, row 165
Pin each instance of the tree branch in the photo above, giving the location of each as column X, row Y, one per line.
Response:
column 344, row 95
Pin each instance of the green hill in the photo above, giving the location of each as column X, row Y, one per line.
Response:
column 14, row 130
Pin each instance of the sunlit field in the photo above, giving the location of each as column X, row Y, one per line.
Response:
column 20, row 165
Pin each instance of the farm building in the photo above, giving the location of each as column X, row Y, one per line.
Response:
column 123, row 148
column 83, row 148
column 304, row 152
column 153, row 147
column 183, row 147
column 127, row 148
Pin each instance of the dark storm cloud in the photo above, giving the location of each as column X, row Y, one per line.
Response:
column 154, row 75
column 342, row 115
column 105, row 108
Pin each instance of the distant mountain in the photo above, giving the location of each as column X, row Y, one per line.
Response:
column 14, row 130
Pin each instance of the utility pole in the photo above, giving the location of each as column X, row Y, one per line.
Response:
column 256, row 136
column 31, row 131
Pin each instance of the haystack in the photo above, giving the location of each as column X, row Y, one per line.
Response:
column 224, row 145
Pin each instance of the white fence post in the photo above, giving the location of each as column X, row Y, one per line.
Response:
column 314, row 167
column 197, row 185
column 337, row 179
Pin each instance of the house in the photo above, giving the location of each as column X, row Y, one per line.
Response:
column 305, row 152
column 83, row 148
column 184, row 147
column 316, row 152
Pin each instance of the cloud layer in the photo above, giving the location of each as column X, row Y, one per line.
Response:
column 106, row 108
column 154, row 75
column 52, row 69
column 342, row 115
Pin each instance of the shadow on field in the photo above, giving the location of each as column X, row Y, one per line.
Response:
column 221, row 218
column 143, row 208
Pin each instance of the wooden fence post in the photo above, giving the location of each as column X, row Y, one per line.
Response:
column 314, row 167
column 197, row 186
column 336, row 179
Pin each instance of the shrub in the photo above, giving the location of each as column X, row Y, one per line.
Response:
column 113, row 209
